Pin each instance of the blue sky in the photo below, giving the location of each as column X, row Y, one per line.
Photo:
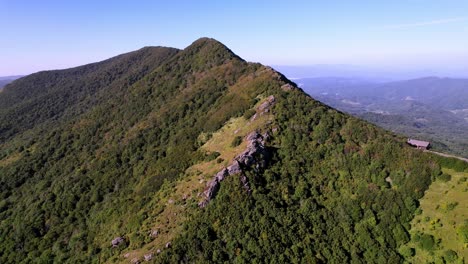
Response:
column 41, row 35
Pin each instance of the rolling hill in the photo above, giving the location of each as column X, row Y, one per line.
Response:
column 197, row 156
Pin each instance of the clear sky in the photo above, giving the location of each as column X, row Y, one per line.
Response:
column 45, row 34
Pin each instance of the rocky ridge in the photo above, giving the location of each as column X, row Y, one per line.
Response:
column 251, row 157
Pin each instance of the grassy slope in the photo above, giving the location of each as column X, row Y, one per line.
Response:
column 440, row 222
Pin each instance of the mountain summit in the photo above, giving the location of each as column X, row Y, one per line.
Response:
column 196, row 155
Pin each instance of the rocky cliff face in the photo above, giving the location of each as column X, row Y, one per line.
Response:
column 252, row 157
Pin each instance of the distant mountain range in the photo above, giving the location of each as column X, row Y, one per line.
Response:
column 8, row 79
column 435, row 109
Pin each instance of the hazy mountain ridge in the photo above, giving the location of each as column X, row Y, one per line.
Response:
column 7, row 79
column 123, row 148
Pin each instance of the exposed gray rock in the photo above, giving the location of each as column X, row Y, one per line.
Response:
column 154, row 233
column 234, row 168
column 135, row 260
column 158, row 251
column 265, row 106
column 148, row 256
column 254, row 117
column 117, row 241
column 220, row 175
column 168, row 244
column 255, row 147
column 389, row 180
column 252, row 136
column 287, row 87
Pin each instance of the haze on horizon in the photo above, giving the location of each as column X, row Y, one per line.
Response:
column 413, row 35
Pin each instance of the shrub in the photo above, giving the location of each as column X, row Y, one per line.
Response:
column 463, row 233
column 427, row 242
column 451, row 206
column 444, row 177
column 236, row 142
column 450, row 256
column 211, row 156
column 407, row 252
column 249, row 113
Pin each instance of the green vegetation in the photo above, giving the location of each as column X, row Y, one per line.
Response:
column 323, row 198
column 237, row 141
column 445, row 177
column 123, row 148
column 440, row 232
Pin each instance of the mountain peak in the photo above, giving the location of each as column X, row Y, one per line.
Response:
column 211, row 48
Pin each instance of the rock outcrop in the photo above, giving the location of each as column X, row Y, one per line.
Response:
column 265, row 106
column 149, row 256
column 250, row 157
column 117, row 241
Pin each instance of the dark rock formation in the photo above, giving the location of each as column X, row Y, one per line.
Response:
column 248, row 158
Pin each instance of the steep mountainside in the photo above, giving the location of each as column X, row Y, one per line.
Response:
column 44, row 97
column 195, row 155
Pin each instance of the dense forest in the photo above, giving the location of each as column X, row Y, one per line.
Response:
column 107, row 162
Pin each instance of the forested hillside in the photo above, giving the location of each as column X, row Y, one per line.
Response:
column 196, row 156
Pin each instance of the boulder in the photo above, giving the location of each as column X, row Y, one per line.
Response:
column 148, row 256
column 117, row 241
column 154, row 233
